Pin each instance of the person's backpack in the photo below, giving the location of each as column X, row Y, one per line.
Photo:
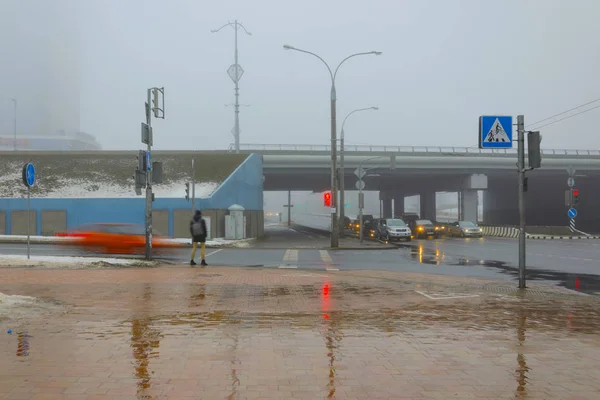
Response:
column 198, row 228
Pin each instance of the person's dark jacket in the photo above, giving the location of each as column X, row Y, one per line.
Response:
column 198, row 228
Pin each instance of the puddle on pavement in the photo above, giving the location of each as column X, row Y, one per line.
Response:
column 585, row 283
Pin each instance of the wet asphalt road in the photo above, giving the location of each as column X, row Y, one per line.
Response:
column 574, row 264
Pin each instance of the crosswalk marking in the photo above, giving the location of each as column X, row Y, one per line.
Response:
column 325, row 257
column 290, row 258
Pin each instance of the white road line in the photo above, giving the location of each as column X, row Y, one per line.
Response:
column 325, row 257
column 448, row 297
column 290, row 257
column 213, row 252
column 332, row 269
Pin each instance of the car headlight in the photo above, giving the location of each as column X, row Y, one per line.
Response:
column 420, row 228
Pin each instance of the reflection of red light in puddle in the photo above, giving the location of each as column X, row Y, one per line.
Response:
column 325, row 299
column 577, row 283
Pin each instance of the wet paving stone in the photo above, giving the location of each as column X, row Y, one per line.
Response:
column 229, row 333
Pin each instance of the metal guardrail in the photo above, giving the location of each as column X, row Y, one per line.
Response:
column 405, row 149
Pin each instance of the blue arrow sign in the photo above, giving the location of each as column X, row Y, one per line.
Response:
column 148, row 165
column 29, row 174
column 572, row 213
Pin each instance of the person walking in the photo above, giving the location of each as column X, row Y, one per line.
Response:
column 198, row 232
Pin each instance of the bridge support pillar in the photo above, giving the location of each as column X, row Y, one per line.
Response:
column 427, row 206
column 398, row 205
column 386, row 199
column 469, row 205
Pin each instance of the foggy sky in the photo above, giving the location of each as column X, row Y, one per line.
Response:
column 444, row 63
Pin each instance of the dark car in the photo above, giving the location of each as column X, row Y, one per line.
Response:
column 369, row 225
column 393, row 229
column 423, row 228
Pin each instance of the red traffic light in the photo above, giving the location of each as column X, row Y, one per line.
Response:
column 327, row 199
column 576, row 192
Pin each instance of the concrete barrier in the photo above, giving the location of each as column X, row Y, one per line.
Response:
column 500, row 231
column 511, row 232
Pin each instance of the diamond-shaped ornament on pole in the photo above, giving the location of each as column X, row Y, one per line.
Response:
column 235, row 72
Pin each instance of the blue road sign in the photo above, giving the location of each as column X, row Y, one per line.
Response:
column 495, row 132
column 29, row 174
column 148, row 165
column 572, row 213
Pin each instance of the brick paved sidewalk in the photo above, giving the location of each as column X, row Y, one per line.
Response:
column 230, row 333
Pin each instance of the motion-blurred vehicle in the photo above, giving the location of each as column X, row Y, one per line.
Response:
column 393, row 229
column 107, row 238
column 465, row 229
column 423, row 228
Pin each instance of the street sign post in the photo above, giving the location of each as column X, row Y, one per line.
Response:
column 28, row 181
column 495, row 132
column 360, row 173
column 360, row 185
column 572, row 213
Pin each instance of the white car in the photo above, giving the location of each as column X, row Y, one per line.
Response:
column 393, row 229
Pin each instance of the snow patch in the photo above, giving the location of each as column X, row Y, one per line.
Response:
column 14, row 307
column 66, row 262
column 76, row 189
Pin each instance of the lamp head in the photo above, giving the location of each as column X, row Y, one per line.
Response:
column 288, row 47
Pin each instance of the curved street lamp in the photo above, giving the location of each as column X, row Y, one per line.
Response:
column 333, row 74
column 342, row 227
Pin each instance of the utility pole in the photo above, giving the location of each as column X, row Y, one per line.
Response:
column 521, row 177
column 15, row 125
column 235, row 72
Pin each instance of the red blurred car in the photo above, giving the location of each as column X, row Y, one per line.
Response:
column 115, row 238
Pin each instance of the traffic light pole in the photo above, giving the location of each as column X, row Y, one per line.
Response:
column 149, row 181
column 521, row 168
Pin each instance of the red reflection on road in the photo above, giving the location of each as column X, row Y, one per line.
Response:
column 325, row 300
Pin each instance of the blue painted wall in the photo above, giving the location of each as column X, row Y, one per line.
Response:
column 244, row 187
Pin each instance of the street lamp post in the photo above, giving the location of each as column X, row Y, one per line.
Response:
column 333, row 74
column 235, row 72
column 341, row 174
column 15, row 125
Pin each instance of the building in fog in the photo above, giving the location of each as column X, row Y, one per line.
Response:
column 59, row 142
column 41, row 70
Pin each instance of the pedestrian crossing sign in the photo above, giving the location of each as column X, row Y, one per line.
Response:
column 495, row 132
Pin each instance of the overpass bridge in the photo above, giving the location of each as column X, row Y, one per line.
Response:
column 423, row 171
column 419, row 171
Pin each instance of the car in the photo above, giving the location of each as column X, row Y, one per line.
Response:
column 465, row 229
column 389, row 229
column 354, row 226
column 116, row 238
column 423, row 228
column 369, row 225
column 442, row 228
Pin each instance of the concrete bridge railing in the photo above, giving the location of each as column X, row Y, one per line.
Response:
column 406, row 149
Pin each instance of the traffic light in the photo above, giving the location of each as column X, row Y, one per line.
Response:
column 575, row 196
column 187, row 190
column 327, row 199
